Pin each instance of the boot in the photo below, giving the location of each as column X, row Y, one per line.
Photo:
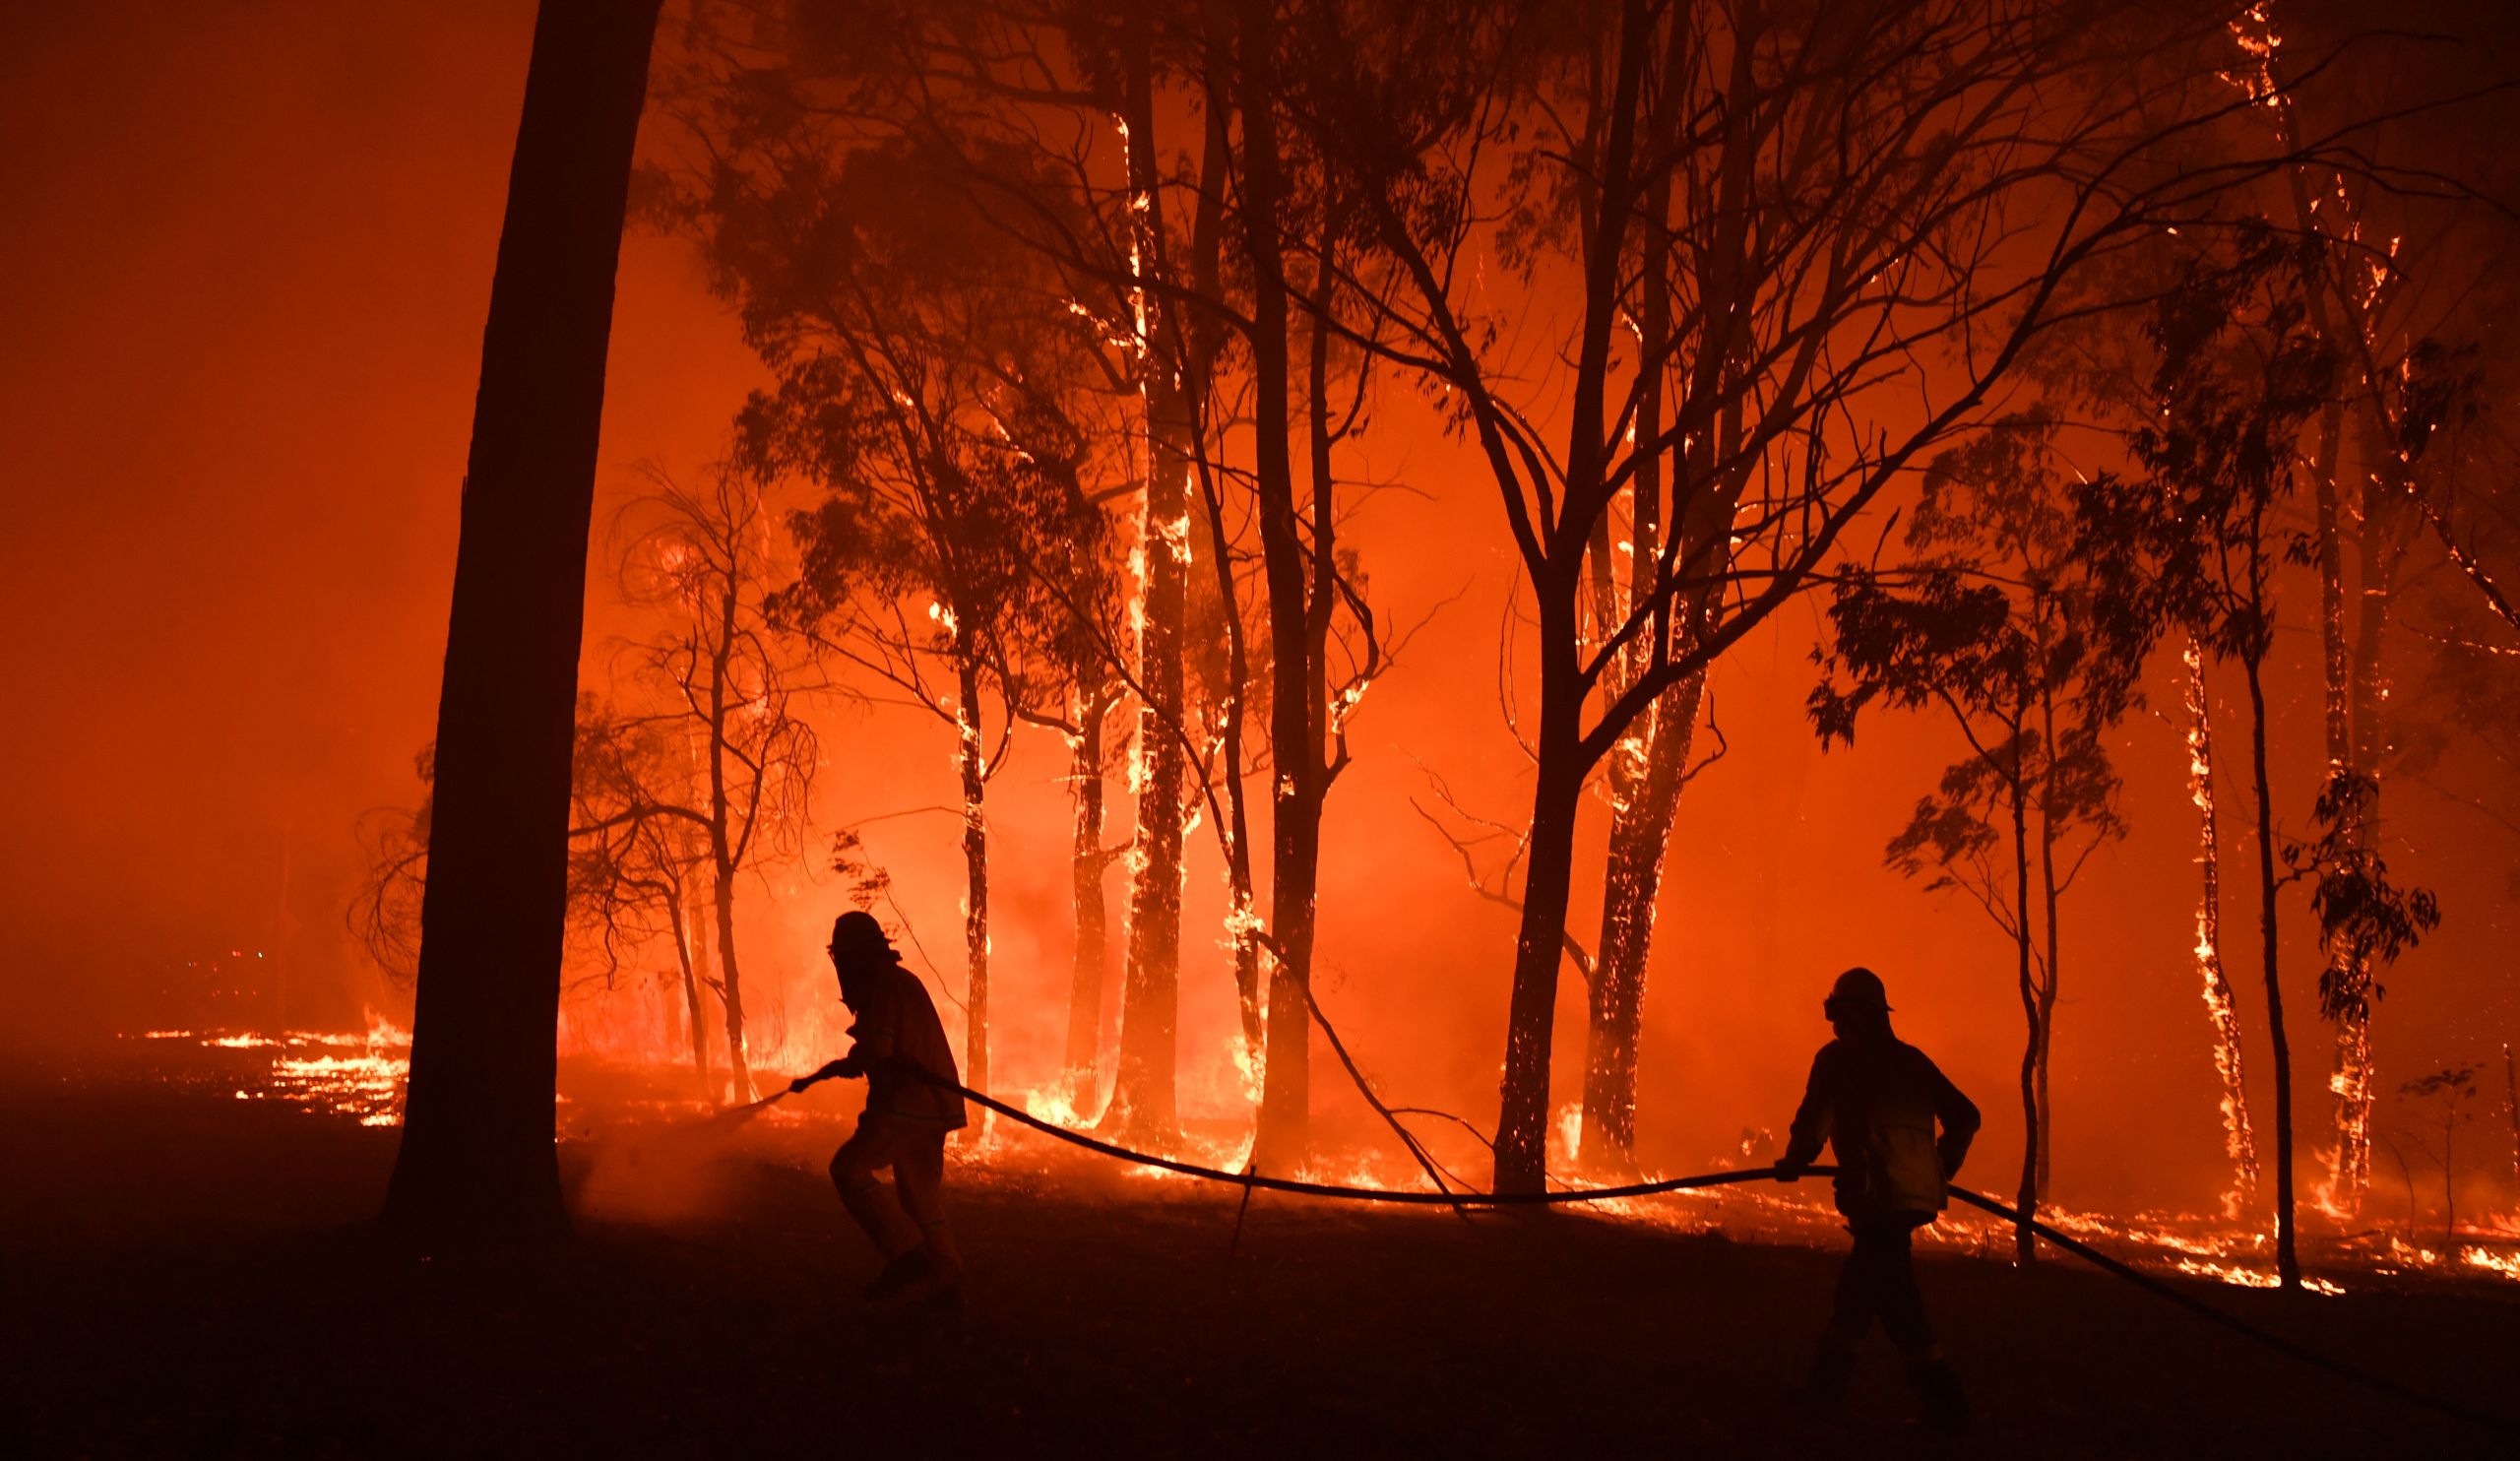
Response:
column 899, row 1275
column 1937, row 1388
column 1824, row 1389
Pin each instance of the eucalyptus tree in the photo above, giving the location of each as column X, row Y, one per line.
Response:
column 1873, row 209
column 1992, row 624
column 476, row 1153
column 2193, row 544
column 927, row 381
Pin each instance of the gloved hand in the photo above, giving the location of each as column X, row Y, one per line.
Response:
column 841, row 1068
column 1790, row 1171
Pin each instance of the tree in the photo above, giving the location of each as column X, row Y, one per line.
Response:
column 2192, row 547
column 475, row 1154
column 1997, row 632
column 714, row 673
column 932, row 384
column 2450, row 1090
column 2222, row 1010
column 1876, row 203
column 634, row 871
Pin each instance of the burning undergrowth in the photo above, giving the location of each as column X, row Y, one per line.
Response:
column 652, row 1155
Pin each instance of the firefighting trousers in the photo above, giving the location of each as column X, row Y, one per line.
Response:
column 1879, row 1282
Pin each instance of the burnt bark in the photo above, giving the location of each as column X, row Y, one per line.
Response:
column 971, row 762
column 2287, row 1262
column 476, row 1149
column 1142, row 1105
column 2240, row 1141
column 1641, row 819
column 2032, row 1126
column 1294, row 705
column 683, row 936
column 1086, row 865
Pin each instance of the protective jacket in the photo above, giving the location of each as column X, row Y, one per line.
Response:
column 897, row 1037
column 1877, row 1099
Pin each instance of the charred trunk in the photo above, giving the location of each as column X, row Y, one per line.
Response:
column 1294, row 707
column 2239, row 1142
column 971, row 760
column 1641, row 816
column 2033, row 1132
column 1522, row 1126
column 1087, row 861
column 684, row 938
column 731, row 985
column 476, row 1148
column 2287, row 1262
column 1142, row 1105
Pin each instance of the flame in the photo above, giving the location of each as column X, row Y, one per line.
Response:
column 2506, row 1264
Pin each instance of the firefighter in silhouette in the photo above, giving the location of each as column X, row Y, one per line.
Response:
column 1877, row 1100
column 902, row 1051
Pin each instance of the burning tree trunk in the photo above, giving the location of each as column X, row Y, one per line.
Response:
column 2384, row 488
column 2239, row 1143
column 1643, row 804
column 1647, row 772
column 2350, row 1085
column 1142, row 1092
column 477, row 1147
column 973, row 763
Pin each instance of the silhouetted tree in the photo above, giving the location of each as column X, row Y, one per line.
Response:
column 929, row 380
column 2192, row 546
column 715, row 672
column 1997, row 632
column 637, row 868
column 475, row 1152
column 1872, row 202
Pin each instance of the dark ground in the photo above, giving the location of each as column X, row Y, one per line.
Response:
column 182, row 1275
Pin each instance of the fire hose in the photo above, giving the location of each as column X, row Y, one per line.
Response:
column 1250, row 1182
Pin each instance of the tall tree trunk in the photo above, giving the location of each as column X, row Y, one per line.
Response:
column 2512, row 1105
column 2384, row 488
column 2048, row 901
column 1641, row 817
column 2348, row 1172
column 2239, row 1143
column 731, row 985
column 725, row 857
column 1648, row 770
column 970, row 759
column 1142, row 1105
column 1522, row 1126
column 2287, row 1262
column 683, row 935
column 1294, row 707
column 1522, row 1122
column 1086, row 865
column 476, row 1148
column 2033, row 1132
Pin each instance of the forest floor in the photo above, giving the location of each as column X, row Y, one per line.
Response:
column 187, row 1275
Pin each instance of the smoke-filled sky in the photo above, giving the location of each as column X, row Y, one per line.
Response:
column 247, row 256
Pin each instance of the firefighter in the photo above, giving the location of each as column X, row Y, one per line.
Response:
column 913, row 1102
column 1877, row 1100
